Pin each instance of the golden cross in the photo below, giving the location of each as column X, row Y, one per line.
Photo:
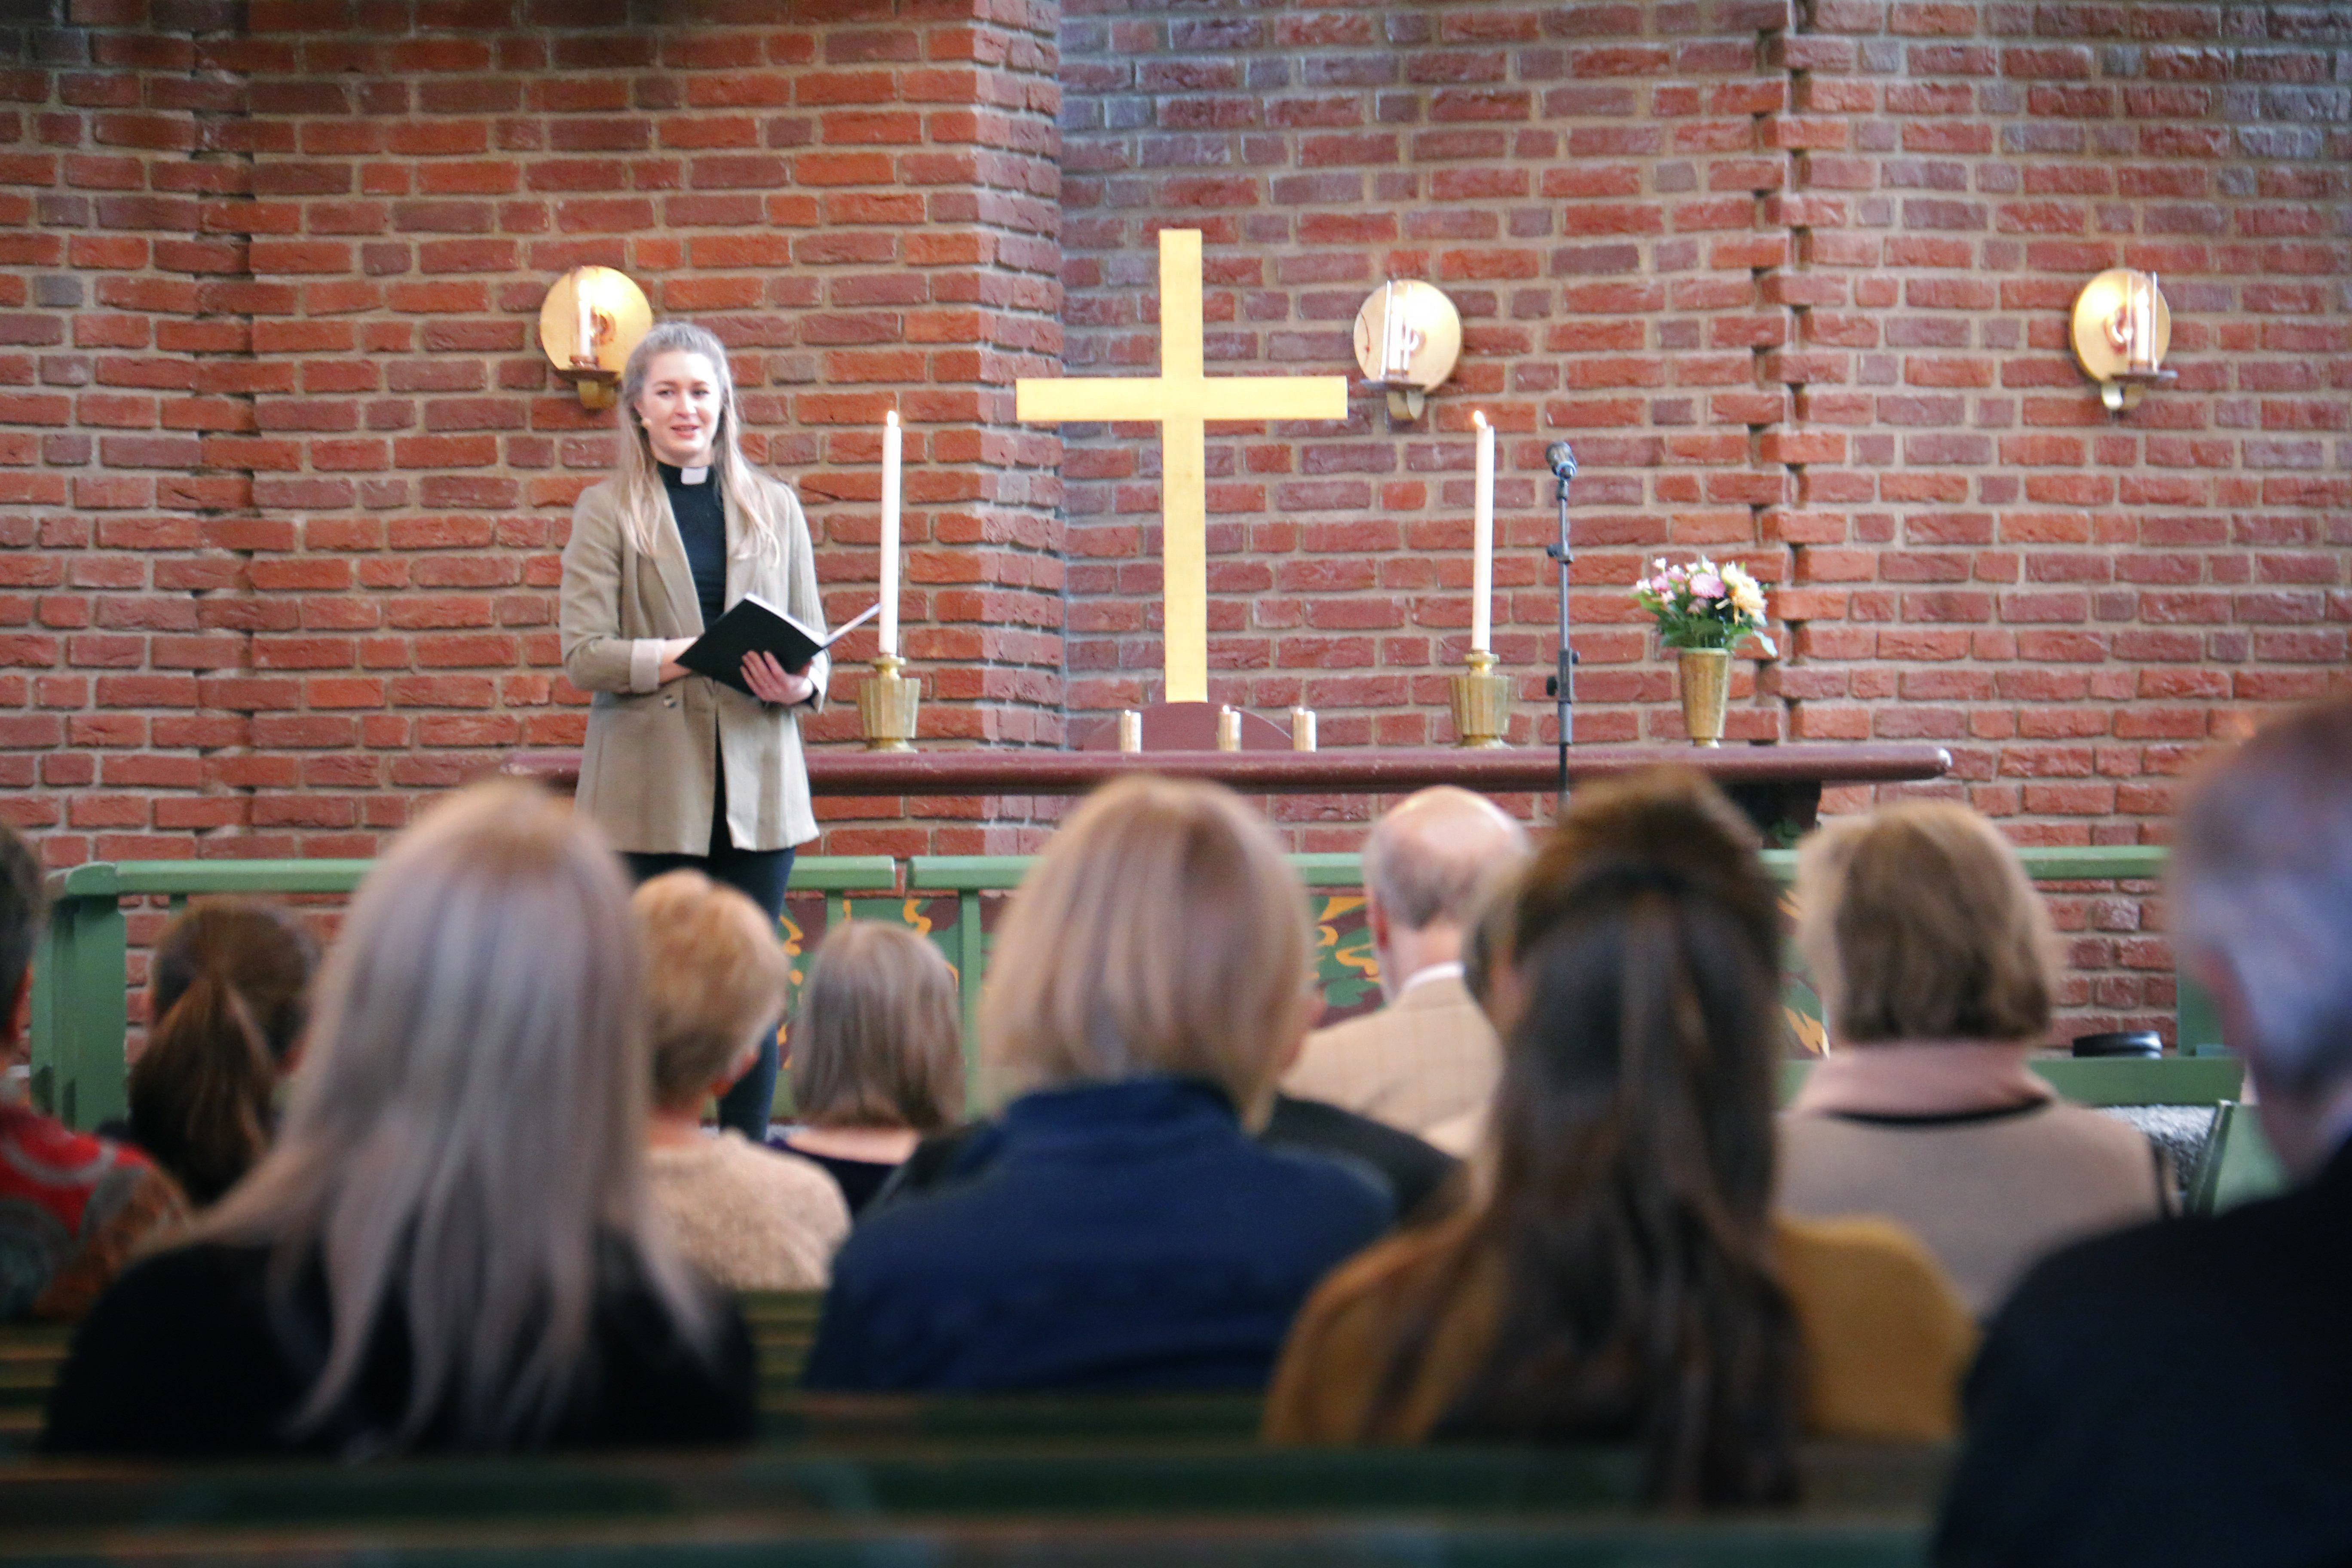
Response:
column 1180, row 400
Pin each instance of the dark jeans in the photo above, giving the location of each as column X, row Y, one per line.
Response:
column 761, row 874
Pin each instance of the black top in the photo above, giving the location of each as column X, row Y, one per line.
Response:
column 702, row 528
column 1115, row 1236
column 859, row 1180
column 2176, row 1393
column 181, row 1357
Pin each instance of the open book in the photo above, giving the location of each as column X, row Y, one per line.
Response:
column 755, row 625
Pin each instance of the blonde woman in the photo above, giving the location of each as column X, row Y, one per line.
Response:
column 1147, row 987
column 1936, row 961
column 876, row 1055
column 717, row 978
column 681, row 771
column 450, row 1244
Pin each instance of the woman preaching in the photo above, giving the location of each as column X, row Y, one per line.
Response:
column 681, row 770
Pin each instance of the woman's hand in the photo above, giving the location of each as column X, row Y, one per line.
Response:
column 771, row 682
column 670, row 669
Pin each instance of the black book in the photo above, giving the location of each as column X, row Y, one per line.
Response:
column 755, row 625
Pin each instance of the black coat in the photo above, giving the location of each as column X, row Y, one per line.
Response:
column 188, row 1355
column 2176, row 1393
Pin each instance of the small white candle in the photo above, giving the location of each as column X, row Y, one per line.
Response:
column 890, row 459
column 584, row 353
column 1482, row 544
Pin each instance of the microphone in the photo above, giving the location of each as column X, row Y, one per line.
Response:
column 1561, row 459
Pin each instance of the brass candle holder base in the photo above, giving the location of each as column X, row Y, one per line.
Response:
column 1482, row 704
column 887, row 706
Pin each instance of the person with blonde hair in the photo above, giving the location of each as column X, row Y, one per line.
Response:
column 876, row 1055
column 450, row 1246
column 1621, row 1275
column 716, row 978
column 679, row 770
column 1147, row 987
column 1937, row 965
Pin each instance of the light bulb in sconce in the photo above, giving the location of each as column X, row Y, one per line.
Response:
column 590, row 323
column 2122, row 331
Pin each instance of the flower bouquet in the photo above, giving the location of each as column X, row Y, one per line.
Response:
column 1703, row 611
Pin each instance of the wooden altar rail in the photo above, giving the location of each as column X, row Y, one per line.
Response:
column 80, row 1004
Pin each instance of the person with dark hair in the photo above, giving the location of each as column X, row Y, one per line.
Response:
column 2180, row 1393
column 73, row 1209
column 227, row 1007
column 1622, row 1278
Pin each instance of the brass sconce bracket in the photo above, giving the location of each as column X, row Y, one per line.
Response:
column 1407, row 340
column 590, row 321
column 2122, row 331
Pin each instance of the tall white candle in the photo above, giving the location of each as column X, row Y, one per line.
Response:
column 1482, row 544
column 890, row 460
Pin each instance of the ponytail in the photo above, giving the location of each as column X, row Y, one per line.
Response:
column 200, row 1095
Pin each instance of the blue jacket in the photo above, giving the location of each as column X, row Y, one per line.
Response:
column 1112, row 1235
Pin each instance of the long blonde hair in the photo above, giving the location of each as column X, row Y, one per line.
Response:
column 645, row 505
column 466, row 1130
column 1161, row 932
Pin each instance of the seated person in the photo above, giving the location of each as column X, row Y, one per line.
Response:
column 2181, row 1392
column 877, row 1054
column 449, row 1245
column 1622, row 1278
column 715, row 984
column 73, row 1209
column 227, row 1008
column 1148, row 982
column 1429, row 1055
column 1936, row 962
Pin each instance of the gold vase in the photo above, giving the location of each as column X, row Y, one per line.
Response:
column 1482, row 704
column 887, row 705
column 1705, row 681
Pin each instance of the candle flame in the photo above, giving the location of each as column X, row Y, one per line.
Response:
column 1477, row 416
column 891, row 418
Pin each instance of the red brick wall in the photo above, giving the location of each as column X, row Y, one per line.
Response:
column 284, row 474
column 1795, row 281
column 1797, row 289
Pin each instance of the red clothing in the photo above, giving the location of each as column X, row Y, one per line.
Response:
column 72, row 1209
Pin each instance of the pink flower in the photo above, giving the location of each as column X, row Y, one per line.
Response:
column 1707, row 585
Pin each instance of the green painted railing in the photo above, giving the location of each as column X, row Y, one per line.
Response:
column 80, row 1013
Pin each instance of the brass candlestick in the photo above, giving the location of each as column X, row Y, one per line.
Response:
column 1482, row 703
column 887, row 706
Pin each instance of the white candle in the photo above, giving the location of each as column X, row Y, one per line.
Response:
column 1482, row 544
column 890, row 459
column 584, row 353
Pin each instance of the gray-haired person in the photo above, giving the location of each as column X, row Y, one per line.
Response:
column 2181, row 1392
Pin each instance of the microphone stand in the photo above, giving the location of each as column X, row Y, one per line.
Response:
column 1563, row 684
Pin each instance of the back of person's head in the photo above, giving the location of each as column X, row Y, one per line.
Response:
column 466, row 1134
column 1919, row 923
column 2262, row 880
column 1426, row 858
column 715, row 981
column 21, row 908
column 1161, row 932
column 880, row 1040
column 228, row 1003
column 1631, row 1150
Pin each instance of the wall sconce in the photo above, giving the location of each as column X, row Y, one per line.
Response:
column 2122, row 329
column 590, row 323
column 1408, row 337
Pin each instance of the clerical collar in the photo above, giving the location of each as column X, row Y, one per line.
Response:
column 679, row 475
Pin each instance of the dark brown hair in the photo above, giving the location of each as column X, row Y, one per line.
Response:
column 1633, row 1153
column 229, row 999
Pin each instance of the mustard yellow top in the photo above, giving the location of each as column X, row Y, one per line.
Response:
column 1885, row 1338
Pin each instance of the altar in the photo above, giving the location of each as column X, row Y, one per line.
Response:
column 1779, row 787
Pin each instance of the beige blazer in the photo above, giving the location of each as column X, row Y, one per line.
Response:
column 1426, row 1058
column 648, row 774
